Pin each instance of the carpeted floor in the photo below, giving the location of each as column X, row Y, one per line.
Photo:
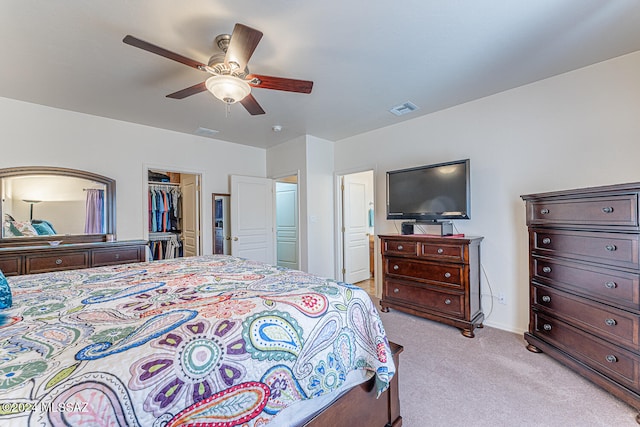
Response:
column 490, row 380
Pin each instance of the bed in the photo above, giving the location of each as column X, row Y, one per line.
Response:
column 215, row 340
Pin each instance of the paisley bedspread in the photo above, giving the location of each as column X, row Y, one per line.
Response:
column 214, row 340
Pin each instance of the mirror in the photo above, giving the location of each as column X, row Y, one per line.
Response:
column 221, row 224
column 41, row 202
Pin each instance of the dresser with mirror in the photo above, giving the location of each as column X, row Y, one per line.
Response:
column 60, row 219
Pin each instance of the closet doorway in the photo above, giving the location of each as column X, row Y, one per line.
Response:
column 174, row 204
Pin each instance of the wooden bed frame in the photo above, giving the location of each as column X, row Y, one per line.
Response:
column 359, row 406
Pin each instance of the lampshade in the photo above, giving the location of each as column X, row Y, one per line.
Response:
column 229, row 89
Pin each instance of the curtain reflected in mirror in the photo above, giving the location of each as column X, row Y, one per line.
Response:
column 221, row 224
column 94, row 212
column 42, row 204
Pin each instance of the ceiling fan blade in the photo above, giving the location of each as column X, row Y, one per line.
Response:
column 133, row 41
column 280, row 83
column 192, row 90
column 252, row 106
column 244, row 41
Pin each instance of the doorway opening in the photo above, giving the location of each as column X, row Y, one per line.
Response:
column 287, row 222
column 356, row 236
column 173, row 207
column 220, row 221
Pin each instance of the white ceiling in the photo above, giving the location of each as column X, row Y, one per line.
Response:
column 363, row 56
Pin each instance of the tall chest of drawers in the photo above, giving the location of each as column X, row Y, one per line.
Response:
column 434, row 277
column 584, row 281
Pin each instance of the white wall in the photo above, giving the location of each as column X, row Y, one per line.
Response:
column 287, row 159
column 320, row 198
column 33, row 135
column 575, row 130
column 313, row 158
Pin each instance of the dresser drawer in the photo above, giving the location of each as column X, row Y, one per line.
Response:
column 11, row 266
column 605, row 284
column 424, row 298
column 399, row 247
column 114, row 256
column 56, row 262
column 621, row 210
column 442, row 274
column 600, row 355
column 443, row 252
column 602, row 320
column 606, row 248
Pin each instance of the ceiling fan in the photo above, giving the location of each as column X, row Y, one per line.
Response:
column 230, row 79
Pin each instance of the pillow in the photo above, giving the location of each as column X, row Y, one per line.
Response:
column 10, row 230
column 43, row 229
column 5, row 292
column 25, row 228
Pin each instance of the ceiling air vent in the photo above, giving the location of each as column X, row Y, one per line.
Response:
column 209, row 133
column 402, row 109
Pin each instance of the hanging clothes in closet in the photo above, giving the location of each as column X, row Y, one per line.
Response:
column 164, row 246
column 165, row 216
column 165, row 208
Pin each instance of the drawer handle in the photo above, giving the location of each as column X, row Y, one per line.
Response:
column 544, row 211
column 546, row 298
column 546, row 269
column 440, row 250
column 611, row 322
column 58, row 261
column 611, row 358
column 117, row 256
column 607, row 209
column 611, row 248
column 395, row 267
column 546, row 240
column 400, row 247
column 611, row 285
column 447, row 274
column 396, row 290
column 447, row 301
column 546, row 327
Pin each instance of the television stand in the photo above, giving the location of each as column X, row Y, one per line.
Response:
column 434, row 277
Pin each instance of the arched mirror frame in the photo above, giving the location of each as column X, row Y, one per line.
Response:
column 110, row 205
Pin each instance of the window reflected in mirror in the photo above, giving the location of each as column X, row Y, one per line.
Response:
column 43, row 204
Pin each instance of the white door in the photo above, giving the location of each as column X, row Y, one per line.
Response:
column 252, row 226
column 355, row 221
column 287, row 224
column 190, row 188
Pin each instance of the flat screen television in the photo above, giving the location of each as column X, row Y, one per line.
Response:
column 430, row 193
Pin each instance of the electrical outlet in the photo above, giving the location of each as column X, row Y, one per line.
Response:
column 502, row 299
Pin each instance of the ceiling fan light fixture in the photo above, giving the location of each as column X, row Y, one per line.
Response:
column 228, row 89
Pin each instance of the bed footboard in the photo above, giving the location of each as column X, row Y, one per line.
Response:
column 359, row 405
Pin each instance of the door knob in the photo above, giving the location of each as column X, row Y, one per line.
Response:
column 235, row 239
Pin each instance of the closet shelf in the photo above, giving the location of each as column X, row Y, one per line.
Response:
column 175, row 184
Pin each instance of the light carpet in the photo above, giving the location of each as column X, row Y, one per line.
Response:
column 491, row 380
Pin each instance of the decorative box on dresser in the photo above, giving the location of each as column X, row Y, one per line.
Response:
column 584, row 281
column 434, row 277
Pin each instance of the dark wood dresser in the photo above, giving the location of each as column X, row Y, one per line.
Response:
column 584, row 271
column 44, row 258
column 434, row 277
